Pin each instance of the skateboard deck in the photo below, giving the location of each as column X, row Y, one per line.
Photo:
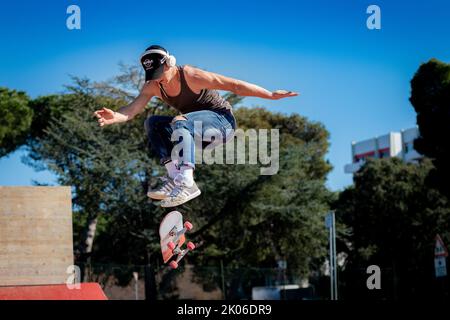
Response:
column 172, row 234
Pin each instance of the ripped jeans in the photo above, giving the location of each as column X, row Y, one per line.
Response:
column 164, row 134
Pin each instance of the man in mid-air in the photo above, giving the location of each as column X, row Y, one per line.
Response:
column 192, row 92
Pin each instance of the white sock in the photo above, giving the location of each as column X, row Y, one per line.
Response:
column 172, row 169
column 186, row 174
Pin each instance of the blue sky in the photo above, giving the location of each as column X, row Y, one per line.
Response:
column 353, row 80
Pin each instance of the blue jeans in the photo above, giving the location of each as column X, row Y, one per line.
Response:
column 164, row 134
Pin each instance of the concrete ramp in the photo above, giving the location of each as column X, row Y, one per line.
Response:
column 36, row 245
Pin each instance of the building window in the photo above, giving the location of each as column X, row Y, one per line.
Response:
column 363, row 156
column 409, row 146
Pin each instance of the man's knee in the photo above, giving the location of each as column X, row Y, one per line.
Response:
column 179, row 118
column 180, row 122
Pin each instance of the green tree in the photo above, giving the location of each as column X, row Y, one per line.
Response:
column 430, row 97
column 249, row 220
column 393, row 217
column 44, row 109
column 101, row 164
column 15, row 120
column 242, row 218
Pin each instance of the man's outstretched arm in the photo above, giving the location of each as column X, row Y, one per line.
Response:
column 107, row 116
column 209, row 80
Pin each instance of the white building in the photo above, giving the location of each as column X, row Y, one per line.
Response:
column 393, row 144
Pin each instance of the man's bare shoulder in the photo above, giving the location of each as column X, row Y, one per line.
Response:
column 149, row 89
column 194, row 73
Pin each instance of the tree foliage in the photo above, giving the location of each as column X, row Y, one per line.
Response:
column 393, row 217
column 242, row 218
column 15, row 120
column 430, row 97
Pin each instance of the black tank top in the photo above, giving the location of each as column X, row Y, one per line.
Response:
column 188, row 101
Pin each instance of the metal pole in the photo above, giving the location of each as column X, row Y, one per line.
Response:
column 223, row 280
column 136, row 290
column 331, row 262
column 334, row 259
column 136, row 277
column 330, row 223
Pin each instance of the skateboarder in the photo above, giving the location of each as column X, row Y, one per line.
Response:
column 192, row 92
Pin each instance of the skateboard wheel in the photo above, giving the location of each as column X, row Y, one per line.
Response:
column 188, row 225
column 171, row 245
column 173, row 264
column 191, row 246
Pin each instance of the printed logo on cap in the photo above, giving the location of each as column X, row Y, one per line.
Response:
column 148, row 63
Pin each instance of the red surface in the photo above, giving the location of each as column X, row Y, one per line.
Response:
column 87, row 291
column 370, row 153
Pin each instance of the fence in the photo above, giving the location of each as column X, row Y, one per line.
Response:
column 218, row 282
column 197, row 282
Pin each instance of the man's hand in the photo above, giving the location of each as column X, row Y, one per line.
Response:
column 279, row 94
column 106, row 116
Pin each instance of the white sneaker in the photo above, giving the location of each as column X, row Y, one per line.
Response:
column 163, row 191
column 181, row 194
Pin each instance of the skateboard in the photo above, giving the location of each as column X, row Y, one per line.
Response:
column 172, row 233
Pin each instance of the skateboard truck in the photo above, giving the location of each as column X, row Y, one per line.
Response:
column 180, row 254
column 173, row 245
